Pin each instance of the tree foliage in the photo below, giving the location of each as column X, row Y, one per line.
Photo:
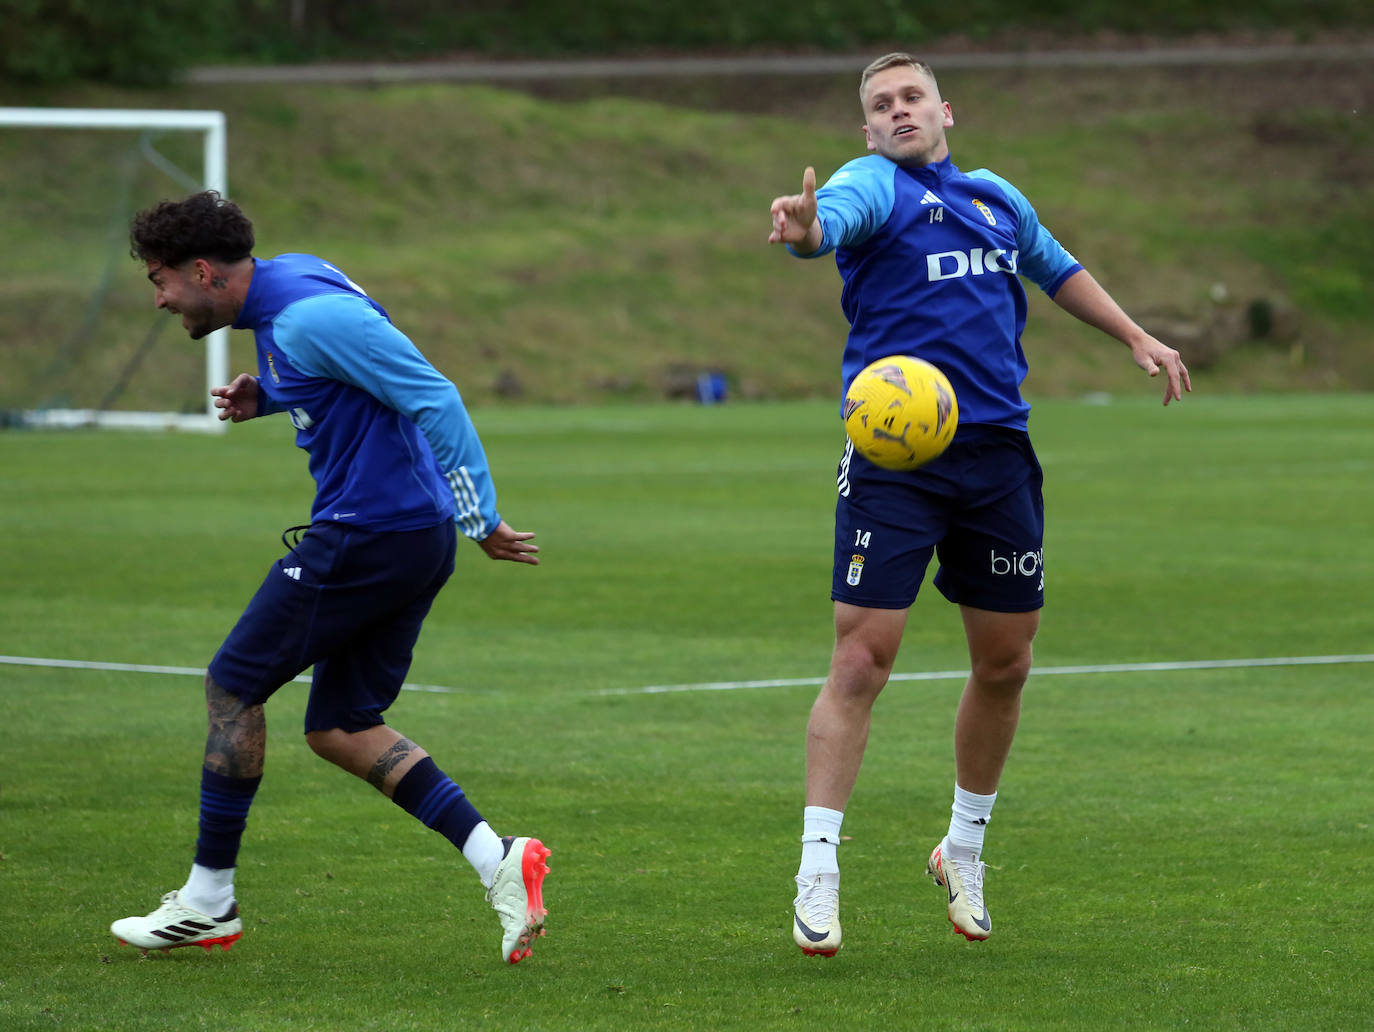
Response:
column 143, row 43
column 151, row 41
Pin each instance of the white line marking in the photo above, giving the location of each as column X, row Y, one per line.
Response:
column 139, row 668
column 781, row 682
column 945, row 675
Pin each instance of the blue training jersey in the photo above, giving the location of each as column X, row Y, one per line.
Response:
column 930, row 258
column 391, row 445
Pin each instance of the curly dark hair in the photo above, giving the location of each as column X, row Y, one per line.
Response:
column 204, row 225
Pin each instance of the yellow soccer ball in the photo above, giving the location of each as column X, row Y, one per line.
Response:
column 900, row 412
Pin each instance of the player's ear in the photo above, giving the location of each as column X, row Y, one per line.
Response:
column 949, row 116
column 868, row 140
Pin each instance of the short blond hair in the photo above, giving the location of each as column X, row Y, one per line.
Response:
column 887, row 61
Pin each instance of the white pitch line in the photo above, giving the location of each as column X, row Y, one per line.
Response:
column 945, row 675
column 783, row 682
column 140, row 668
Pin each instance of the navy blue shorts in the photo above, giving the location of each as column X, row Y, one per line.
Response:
column 978, row 507
column 348, row 601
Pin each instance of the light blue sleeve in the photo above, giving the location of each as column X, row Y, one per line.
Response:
column 1043, row 260
column 854, row 203
column 342, row 337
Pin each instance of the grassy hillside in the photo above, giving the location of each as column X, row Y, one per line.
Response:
column 565, row 242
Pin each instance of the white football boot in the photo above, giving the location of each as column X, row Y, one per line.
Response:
column 174, row 924
column 963, row 881
column 517, row 895
column 816, row 914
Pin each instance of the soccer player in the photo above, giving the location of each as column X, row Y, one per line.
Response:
column 929, row 256
column 399, row 470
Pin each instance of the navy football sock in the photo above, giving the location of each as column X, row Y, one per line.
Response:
column 430, row 796
column 224, row 804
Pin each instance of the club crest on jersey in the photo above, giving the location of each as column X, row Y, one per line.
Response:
column 272, row 368
column 986, row 211
column 856, row 570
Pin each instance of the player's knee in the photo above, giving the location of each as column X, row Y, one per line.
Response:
column 219, row 698
column 859, row 668
column 1003, row 670
column 331, row 745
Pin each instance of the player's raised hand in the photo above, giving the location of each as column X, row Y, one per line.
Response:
column 514, row 545
column 239, row 400
column 794, row 216
column 1152, row 356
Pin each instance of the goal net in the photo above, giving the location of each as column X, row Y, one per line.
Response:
column 80, row 341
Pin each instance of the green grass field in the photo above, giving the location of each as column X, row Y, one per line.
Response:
column 1185, row 847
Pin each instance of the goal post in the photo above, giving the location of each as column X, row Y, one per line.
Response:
column 212, row 126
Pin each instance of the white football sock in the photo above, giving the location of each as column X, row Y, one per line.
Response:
column 968, row 820
column 209, row 890
column 485, row 851
column 820, row 840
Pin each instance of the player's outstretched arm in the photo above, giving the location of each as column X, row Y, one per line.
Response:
column 794, row 217
column 239, row 400
column 515, row 545
column 1084, row 298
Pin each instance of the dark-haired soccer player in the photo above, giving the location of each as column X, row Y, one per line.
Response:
column 397, row 463
column 930, row 256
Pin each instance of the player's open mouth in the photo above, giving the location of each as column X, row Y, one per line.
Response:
column 904, row 130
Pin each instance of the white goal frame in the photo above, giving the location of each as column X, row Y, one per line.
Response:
column 213, row 127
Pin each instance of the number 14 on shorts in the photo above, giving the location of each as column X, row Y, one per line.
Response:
column 856, row 561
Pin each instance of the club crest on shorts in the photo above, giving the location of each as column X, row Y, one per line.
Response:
column 856, row 570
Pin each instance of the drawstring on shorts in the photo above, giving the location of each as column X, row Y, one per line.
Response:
column 296, row 534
